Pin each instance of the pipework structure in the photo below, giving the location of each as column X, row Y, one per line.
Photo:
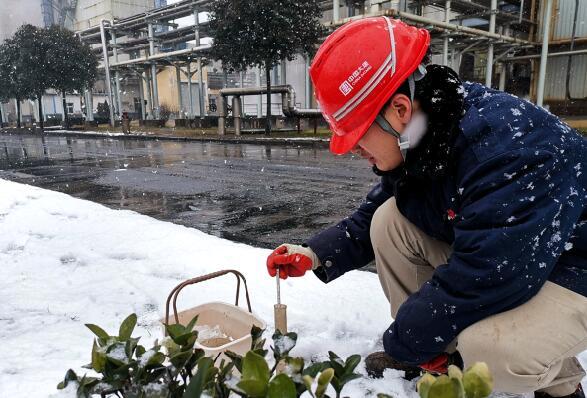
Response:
column 484, row 40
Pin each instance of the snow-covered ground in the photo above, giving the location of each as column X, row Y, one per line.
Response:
column 65, row 262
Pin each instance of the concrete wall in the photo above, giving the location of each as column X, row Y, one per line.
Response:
column 88, row 13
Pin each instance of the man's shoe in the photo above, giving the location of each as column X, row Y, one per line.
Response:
column 577, row 394
column 377, row 362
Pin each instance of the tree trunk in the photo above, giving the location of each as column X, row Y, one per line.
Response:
column 17, row 113
column 268, row 79
column 65, row 114
column 41, row 121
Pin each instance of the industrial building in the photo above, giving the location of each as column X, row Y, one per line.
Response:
column 154, row 63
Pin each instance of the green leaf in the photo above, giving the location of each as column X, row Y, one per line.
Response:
column 255, row 376
column 423, row 385
column 98, row 358
column 175, row 330
column 351, row 363
column 445, row 387
column 190, row 326
column 69, row 376
column 98, row 331
column 336, row 363
column 283, row 343
column 281, row 387
column 323, row 380
column 316, row 368
column 198, row 381
column 179, row 359
column 127, row 327
column 253, row 388
column 295, row 365
column 236, row 359
column 477, row 381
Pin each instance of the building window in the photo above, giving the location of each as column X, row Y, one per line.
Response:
column 70, row 107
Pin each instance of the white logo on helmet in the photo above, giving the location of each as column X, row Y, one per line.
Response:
column 347, row 86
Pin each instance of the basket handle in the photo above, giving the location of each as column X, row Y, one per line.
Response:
column 175, row 292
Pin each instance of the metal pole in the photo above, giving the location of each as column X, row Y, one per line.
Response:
column 179, row 99
column 149, row 93
column 335, row 10
column 116, row 74
column 260, row 97
column 502, row 70
column 107, row 70
column 283, row 71
column 447, row 20
column 142, row 96
column 155, row 103
column 221, row 115
column 544, row 52
column 237, row 114
column 307, row 86
column 489, row 67
column 199, row 62
column 190, row 96
column 89, row 106
column 200, row 88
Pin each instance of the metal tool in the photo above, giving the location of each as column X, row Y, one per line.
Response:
column 280, row 310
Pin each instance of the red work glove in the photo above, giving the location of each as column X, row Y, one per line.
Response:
column 292, row 260
column 438, row 365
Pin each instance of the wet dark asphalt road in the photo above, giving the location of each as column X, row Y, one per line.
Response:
column 261, row 195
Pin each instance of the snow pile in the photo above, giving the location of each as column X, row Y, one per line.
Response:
column 66, row 262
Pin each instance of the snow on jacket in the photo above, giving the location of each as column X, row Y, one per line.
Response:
column 517, row 219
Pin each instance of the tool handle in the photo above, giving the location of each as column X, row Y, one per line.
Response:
column 175, row 292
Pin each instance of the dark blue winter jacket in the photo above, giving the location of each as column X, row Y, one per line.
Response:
column 519, row 194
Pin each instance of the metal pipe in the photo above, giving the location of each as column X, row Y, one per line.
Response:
column 142, row 96
column 221, row 115
column 200, row 87
column 502, row 71
column 489, row 64
column 288, row 99
column 260, row 97
column 308, row 84
column 199, row 64
column 107, row 69
column 190, row 95
column 116, row 74
column 237, row 114
column 544, row 52
column 550, row 55
column 164, row 55
column 447, row 20
column 154, row 74
column 440, row 24
column 89, row 106
column 179, row 98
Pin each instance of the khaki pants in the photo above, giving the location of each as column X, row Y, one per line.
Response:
column 529, row 348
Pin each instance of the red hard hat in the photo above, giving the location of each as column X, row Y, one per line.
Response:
column 358, row 68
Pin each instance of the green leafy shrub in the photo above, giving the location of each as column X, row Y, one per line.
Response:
column 175, row 369
column 475, row 382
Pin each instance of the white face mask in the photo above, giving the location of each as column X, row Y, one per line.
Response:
column 413, row 133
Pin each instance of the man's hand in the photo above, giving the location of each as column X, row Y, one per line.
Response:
column 292, row 260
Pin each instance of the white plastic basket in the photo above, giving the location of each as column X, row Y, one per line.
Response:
column 221, row 326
